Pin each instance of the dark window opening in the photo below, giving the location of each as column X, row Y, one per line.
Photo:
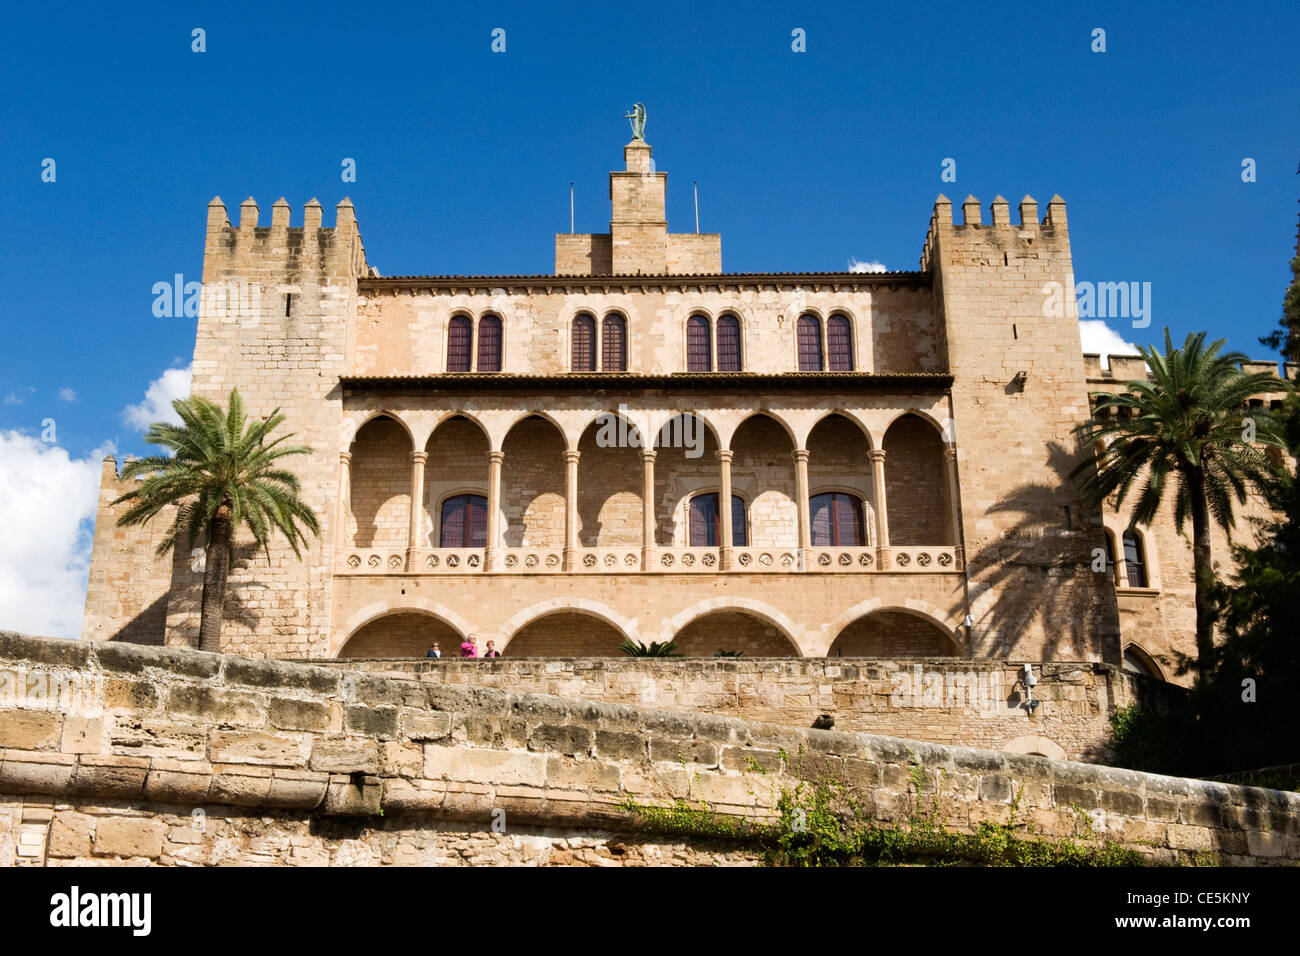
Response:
column 613, row 345
column 705, row 522
column 489, row 344
column 459, row 332
column 728, row 344
column 839, row 344
column 698, row 357
column 810, row 344
column 464, row 522
column 583, row 352
column 1134, row 566
column 836, row 521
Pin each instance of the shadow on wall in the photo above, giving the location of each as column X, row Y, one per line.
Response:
column 1041, row 576
column 184, row 598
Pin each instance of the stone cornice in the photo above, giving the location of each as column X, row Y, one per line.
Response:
column 838, row 382
column 529, row 284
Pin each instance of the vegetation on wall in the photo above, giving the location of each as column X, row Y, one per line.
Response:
column 823, row 822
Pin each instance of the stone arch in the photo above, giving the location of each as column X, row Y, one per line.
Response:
column 372, row 613
column 915, row 489
column 763, row 470
column 533, row 483
column 627, row 415
column 775, row 416
column 922, row 414
column 657, row 424
column 457, row 463
column 1035, row 745
column 918, row 630
column 1142, row 663
column 740, row 605
column 610, row 484
column 838, row 460
column 379, row 478
column 352, row 424
column 680, row 474
column 852, row 415
column 567, row 628
column 536, row 413
column 733, row 630
column 446, row 415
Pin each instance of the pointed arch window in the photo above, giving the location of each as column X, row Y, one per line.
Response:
column 583, row 353
column 706, row 524
column 464, row 522
column 698, row 346
column 1134, row 561
column 810, row 343
column 836, row 521
column 489, row 343
column 459, row 332
column 839, row 344
column 1110, row 554
column 728, row 344
column 613, row 344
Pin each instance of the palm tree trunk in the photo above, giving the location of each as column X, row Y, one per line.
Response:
column 1203, row 568
column 215, row 571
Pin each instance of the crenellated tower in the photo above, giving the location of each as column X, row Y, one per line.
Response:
column 1004, row 295
column 278, row 307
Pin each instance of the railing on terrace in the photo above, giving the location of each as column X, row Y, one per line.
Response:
column 936, row 559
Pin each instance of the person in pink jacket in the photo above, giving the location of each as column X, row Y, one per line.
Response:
column 469, row 648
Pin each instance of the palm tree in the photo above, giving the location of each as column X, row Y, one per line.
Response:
column 221, row 473
column 1187, row 432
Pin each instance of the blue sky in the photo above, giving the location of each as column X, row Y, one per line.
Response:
column 464, row 156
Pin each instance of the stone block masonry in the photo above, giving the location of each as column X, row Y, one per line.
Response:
column 182, row 757
column 940, row 700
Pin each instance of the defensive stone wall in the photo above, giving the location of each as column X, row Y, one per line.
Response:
column 973, row 703
column 123, row 753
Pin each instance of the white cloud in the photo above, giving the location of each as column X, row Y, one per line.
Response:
column 19, row 395
column 1101, row 339
column 157, row 405
column 47, row 508
column 856, row 265
column 68, row 394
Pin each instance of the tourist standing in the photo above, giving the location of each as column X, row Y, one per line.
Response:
column 491, row 650
column 470, row 647
column 434, row 652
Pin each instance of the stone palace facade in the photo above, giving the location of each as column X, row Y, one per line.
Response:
column 645, row 446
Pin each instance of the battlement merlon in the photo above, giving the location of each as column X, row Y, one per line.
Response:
column 231, row 249
column 1001, row 233
column 1129, row 368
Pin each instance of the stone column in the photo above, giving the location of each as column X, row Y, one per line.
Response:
column 341, row 543
column 954, row 506
column 493, row 543
column 570, row 508
column 647, row 508
column 726, row 534
column 801, row 496
column 418, row 458
column 877, row 456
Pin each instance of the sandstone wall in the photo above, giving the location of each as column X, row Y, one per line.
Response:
column 115, row 771
column 1027, row 532
column 975, row 703
column 126, row 594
